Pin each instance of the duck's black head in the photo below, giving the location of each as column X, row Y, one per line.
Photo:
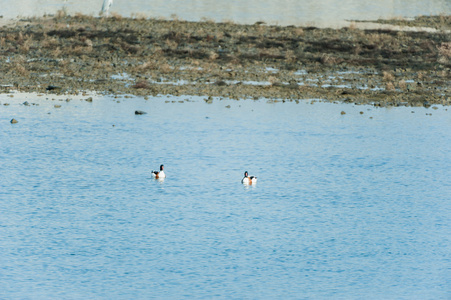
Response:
column 161, row 167
column 245, row 174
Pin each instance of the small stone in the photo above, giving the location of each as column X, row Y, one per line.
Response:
column 57, row 106
column 53, row 87
column 89, row 99
column 140, row 112
column 343, row 113
column 14, row 121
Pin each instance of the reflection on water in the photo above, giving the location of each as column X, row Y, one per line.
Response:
column 287, row 12
column 346, row 205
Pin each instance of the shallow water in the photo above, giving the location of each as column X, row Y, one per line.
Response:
column 347, row 206
column 288, row 12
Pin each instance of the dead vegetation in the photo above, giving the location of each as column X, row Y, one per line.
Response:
column 91, row 50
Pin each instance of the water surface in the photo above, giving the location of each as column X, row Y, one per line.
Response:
column 331, row 13
column 347, row 206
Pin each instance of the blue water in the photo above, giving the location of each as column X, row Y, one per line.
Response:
column 352, row 206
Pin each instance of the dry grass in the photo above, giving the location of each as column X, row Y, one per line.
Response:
column 273, row 80
column 299, row 31
column 389, row 86
column 444, row 73
column 352, row 26
column 445, row 49
column 271, row 52
column 290, row 56
column 388, row 76
column 49, row 42
column 445, row 21
column 139, row 16
column 148, row 65
column 142, row 84
column 80, row 50
column 207, row 20
column 20, row 69
column 420, row 75
column 212, row 55
column 26, row 44
column 157, row 51
column 171, row 44
column 116, row 16
column 402, row 85
column 166, row 68
column 328, row 59
column 443, row 60
column 228, row 22
column 154, row 49
column 357, row 49
column 56, row 52
column 60, row 14
column 379, row 39
column 79, row 15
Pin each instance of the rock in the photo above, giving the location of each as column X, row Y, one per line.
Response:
column 89, row 99
column 140, row 112
column 57, row 106
column 14, row 121
column 53, row 87
column 343, row 113
column 26, row 103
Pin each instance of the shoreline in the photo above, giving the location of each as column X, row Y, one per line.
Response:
column 384, row 67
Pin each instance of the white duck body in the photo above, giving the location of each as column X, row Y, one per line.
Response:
column 248, row 179
column 159, row 174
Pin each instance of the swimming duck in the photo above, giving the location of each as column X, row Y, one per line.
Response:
column 248, row 179
column 159, row 174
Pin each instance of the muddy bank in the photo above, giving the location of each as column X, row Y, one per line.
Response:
column 65, row 54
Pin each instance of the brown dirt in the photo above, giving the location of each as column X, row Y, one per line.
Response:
column 67, row 54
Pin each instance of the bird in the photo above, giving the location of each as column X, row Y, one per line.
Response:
column 248, row 180
column 159, row 174
column 105, row 7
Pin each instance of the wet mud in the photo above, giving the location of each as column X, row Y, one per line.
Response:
column 74, row 54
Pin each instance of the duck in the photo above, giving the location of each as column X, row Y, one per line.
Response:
column 248, row 179
column 159, row 174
